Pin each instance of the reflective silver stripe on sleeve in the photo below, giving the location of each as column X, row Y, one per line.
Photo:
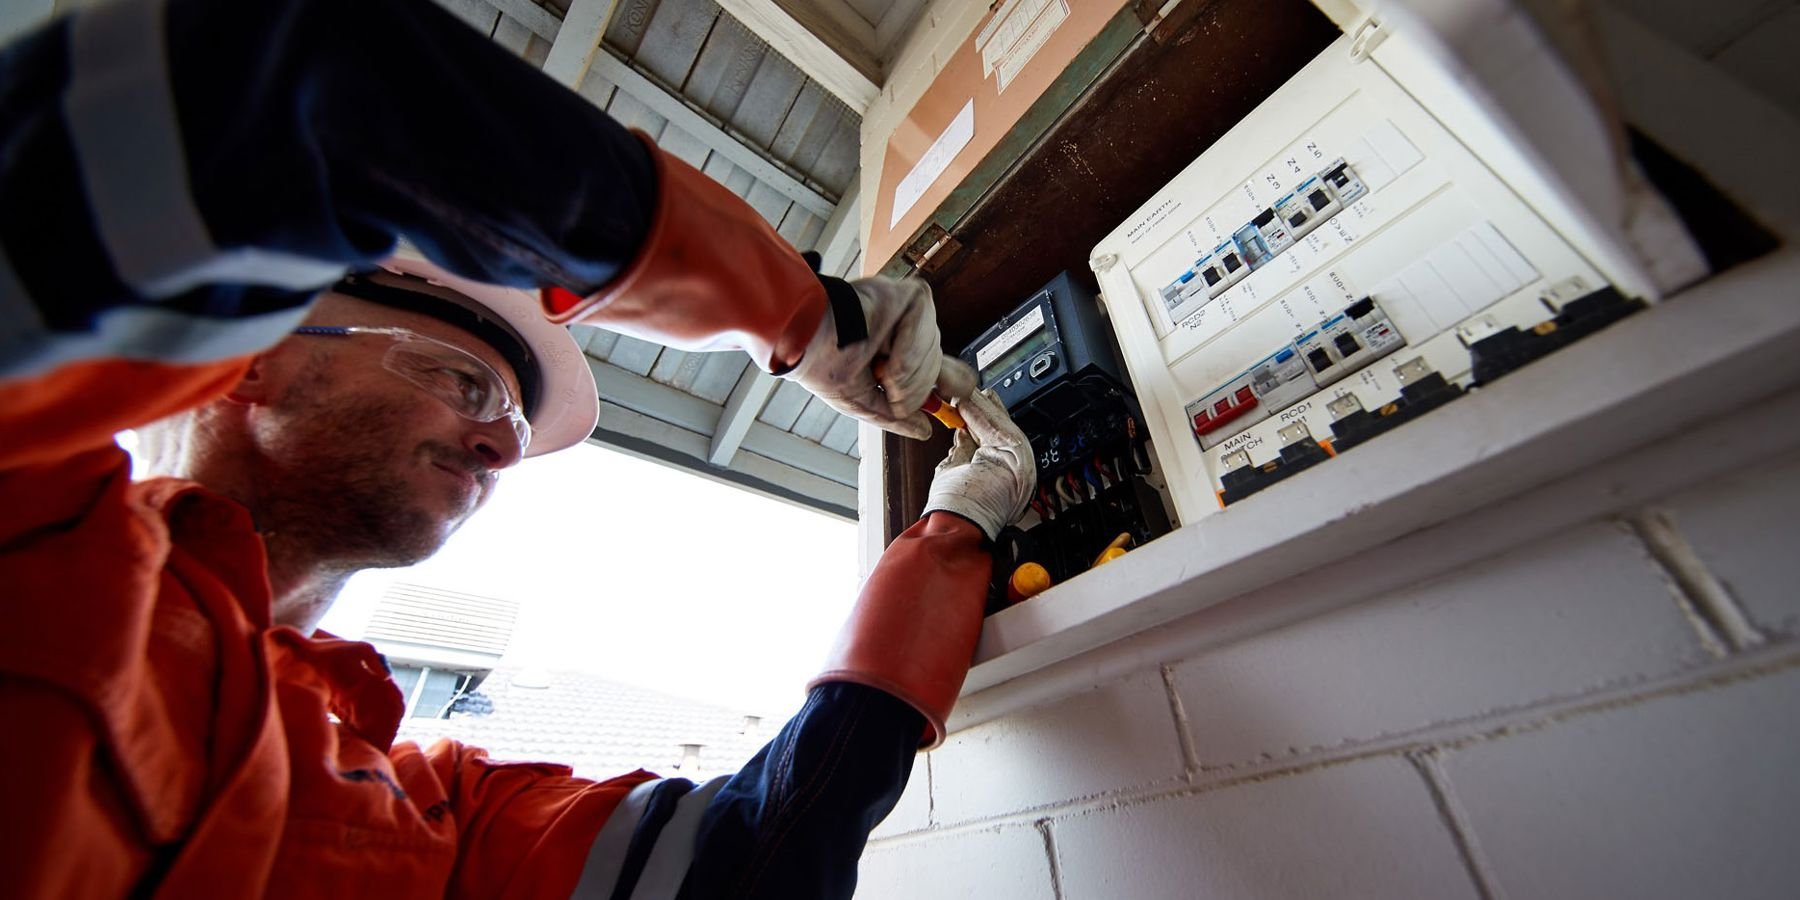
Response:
column 607, row 855
column 144, row 333
column 668, row 863
column 121, row 117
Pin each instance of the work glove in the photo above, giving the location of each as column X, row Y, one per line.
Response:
column 713, row 275
column 914, row 628
column 990, row 472
column 876, row 355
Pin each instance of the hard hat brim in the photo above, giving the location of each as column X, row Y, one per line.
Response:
column 570, row 406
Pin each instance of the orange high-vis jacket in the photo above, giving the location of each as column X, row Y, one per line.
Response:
column 166, row 739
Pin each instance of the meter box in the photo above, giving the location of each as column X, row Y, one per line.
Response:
column 1336, row 265
column 1052, row 361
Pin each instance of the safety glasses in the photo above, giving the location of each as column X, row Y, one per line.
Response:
column 460, row 379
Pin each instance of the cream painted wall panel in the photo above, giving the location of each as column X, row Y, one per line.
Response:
column 989, row 864
column 1688, row 796
column 1366, row 829
column 943, row 26
column 1119, row 736
column 1568, row 614
column 1746, row 529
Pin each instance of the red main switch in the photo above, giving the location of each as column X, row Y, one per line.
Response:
column 1209, row 420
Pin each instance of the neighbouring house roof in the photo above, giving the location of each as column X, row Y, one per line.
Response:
column 599, row 727
column 441, row 627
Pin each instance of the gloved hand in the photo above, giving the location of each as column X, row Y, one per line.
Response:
column 990, row 472
column 897, row 329
column 915, row 626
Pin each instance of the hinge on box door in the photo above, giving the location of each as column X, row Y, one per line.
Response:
column 1366, row 38
column 1163, row 18
column 933, row 248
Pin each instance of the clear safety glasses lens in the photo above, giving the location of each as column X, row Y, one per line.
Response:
column 463, row 382
column 460, row 379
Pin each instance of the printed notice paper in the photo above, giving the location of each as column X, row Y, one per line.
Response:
column 934, row 162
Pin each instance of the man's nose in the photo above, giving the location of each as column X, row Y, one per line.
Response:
column 494, row 443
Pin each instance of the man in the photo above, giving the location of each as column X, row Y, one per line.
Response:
column 182, row 185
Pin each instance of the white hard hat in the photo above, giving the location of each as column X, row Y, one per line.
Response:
column 561, row 401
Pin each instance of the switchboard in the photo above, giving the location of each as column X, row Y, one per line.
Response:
column 1335, row 266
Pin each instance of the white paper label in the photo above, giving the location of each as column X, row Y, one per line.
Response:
column 1010, row 338
column 936, row 159
column 1010, row 50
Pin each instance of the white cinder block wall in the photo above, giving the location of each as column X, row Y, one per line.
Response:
column 1611, row 710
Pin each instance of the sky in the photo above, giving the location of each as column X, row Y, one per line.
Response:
column 646, row 575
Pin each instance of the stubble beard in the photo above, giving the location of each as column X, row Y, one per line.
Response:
column 339, row 494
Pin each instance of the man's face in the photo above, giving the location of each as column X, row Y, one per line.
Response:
column 359, row 464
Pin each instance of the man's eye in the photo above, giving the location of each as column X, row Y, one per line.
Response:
column 469, row 388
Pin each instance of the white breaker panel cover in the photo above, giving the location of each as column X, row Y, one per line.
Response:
column 1336, row 244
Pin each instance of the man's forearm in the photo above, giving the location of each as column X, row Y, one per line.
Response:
column 791, row 824
column 209, row 160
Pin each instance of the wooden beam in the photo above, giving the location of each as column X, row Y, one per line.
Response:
column 576, row 41
column 821, row 62
column 539, row 20
column 572, row 38
column 652, row 439
column 700, row 415
column 871, row 498
column 838, row 242
column 673, row 107
column 746, row 402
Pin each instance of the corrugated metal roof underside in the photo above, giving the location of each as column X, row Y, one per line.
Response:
column 711, row 93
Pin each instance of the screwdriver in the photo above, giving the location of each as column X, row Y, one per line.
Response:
column 934, row 405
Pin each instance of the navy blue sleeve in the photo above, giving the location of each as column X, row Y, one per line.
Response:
column 212, row 160
column 793, row 822
column 790, row 825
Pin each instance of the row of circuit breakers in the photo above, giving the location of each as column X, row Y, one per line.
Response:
column 1272, row 231
column 1343, row 344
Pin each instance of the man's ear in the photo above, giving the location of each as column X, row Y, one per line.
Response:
column 256, row 388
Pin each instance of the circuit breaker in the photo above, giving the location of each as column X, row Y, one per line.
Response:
column 1335, row 266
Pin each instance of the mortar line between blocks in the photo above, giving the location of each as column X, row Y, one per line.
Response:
column 1429, row 764
column 1044, row 828
column 1184, row 735
column 1704, row 597
column 1712, row 638
column 930, row 794
column 1762, row 663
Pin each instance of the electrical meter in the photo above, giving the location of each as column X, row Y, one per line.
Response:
column 1049, row 359
column 1053, row 363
